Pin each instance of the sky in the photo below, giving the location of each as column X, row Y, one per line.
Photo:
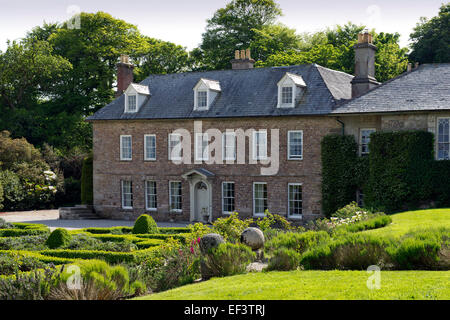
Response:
column 184, row 21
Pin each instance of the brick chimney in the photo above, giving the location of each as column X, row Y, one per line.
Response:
column 242, row 60
column 124, row 74
column 364, row 79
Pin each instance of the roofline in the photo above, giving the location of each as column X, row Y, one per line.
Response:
column 387, row 112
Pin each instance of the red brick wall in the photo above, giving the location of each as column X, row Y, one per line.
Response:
column 109, row 170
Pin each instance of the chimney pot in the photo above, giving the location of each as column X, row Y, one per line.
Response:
column 124, row 74
column 242, row 60
column 364, row 79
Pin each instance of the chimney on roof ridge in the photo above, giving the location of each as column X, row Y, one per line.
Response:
column 364, row 79
column 242, row 60
column 124, row 74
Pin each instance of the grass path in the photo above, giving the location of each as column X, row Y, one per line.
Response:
column 406, row 221
column 316, row 285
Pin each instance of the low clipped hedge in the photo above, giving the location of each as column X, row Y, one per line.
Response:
column 174, row 230
column 39, row 256
column 298, row 242
column 25, row 229
column 112, row 230
column 379, row 221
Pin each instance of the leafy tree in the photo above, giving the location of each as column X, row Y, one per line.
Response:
column 234, row 27
column 431, row 38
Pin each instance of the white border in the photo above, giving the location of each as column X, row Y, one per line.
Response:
column 122, row 194
column 121, row 154
column 145, row 147
column 296, row 216
column 254, row 200
column 234, row 198
column 170, row 197
column 289, row 145
column 147, row 208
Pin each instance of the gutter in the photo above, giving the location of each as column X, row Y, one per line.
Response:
column 342, row 124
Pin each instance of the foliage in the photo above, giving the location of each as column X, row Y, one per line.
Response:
column 373, row 222
column 284, row 260
column 28, row 286
column 87, row 183
column 299, row 242
column 15, row 262
column 271, row 221
column 31, row 243
column 5, row 225
column 85, row 242
column 23, row 229
column 399, row 173
column 58, row 238
column 145, row 224
column 99, row 281
column 339, row 158
column 228, row 259
column 235, row 27
column 440, row 189
column 430, row 38
column 231, row 227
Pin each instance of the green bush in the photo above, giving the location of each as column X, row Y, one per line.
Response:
column 87, row 184
column 13, row 192
column 15, row 262
column 341, row 172
column 299, row 242
column 174, row 230
column 441, row 188
column 112, row 230
column 400, row 170
column 145, row 224
column 231, row 227
column 349, row 252
column 32, row 243
column 58, row 238
column 378, row 221
column 228, row 259
column 284, row 260
column 1, row 196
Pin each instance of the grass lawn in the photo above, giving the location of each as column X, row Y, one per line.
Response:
column 329, row 285
column 315, row 285
column 406, row 221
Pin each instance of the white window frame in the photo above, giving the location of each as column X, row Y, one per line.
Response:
column 122, row 158
column 145, row 147
column 254, row 199
column 123, row 194
column 127, row 103
column 169, row 147
column 290, row 156
column 197, row 96
column 224, row 146
column 201, row 137
column 437, row 137
column 147, row 194
column 223, row 197
column 256, row 149
column 361, row 153
column 170, row 197
column 283, row 103
column 294, row 216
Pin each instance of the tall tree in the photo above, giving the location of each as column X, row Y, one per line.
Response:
column 234, row 27
column 431, row 38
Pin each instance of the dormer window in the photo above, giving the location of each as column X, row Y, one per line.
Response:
column 290, row 89
column 135, row 96
column 202, row 99
column 132, row 103
column 205, row 92
column 286, row 95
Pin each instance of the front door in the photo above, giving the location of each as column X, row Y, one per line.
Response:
column 201, row 202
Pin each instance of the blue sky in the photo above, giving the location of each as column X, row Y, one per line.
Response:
column 183, row 21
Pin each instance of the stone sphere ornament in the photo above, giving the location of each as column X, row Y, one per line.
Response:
column 253, row 237
column 209, row 241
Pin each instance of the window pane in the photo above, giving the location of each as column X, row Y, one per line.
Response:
column 150, row 195
column 260, row 147
column 201, row 146
column 175, row 196
column 131, row 103
column 295, row 144
column 150, row 150
column 174, row 146
column 126, row 151
column 127, row 194
column 260, row 198
column 202, row 99
column 295, row 200
column 286, row 95
column 229, row 146
column 228, row 196
column 444, row 139
column 365, row 140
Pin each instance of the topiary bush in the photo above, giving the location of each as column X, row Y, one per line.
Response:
column 87, row 184
column 58, row 238
column 145, row 224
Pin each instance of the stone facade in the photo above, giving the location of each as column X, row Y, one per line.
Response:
column 109, row 170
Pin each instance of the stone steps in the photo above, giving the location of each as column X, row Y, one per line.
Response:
column 79, row 212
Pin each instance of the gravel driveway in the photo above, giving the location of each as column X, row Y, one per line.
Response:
column 51, row 219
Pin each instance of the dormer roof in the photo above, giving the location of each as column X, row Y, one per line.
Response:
column 140, row 89
column 295, row 78
column 210, row 84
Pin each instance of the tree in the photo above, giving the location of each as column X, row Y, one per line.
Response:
column 234, row 27
column 431, row 38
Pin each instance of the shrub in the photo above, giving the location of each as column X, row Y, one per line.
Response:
column 377, row 221
column 108, row 256
column 5, row 225
column 32, row 243
column 284, row 260
column 299, row 242
column 1, row 196
column 58, row 238
column 271, row 221
column 349, row 252
column 13, row 191
column 228, row 259
column 85, row 242
column 145, row 224
column 14, row 262
column 28, row 286
column 231, row 227
column 99, row 281
column 87, row 187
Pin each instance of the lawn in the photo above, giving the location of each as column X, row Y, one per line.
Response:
column 410, row 220
column 316, row 285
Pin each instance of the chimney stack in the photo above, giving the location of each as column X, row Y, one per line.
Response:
column 242, row 60
column 124, row 74
column 364, row 79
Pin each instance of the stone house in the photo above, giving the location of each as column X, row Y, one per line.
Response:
column 197, row 146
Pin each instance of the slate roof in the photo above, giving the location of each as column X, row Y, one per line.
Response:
column 244, row 93
column 426, row 88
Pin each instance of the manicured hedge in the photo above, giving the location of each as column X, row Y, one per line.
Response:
column 369, row 224
column 24, row 229
column 124, row 230
column 87, row 183
column 108, row 256
column 41, row 257
column 174, row 230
